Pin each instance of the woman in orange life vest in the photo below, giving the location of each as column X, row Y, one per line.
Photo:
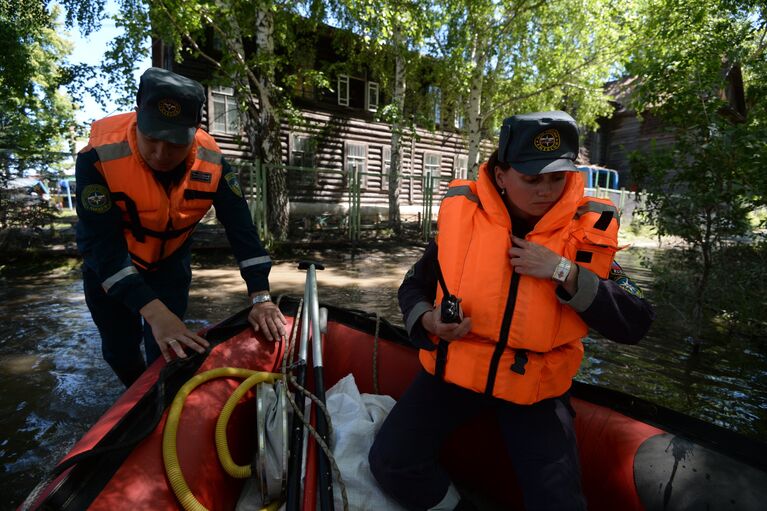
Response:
column 521, row 268
column 144, row 181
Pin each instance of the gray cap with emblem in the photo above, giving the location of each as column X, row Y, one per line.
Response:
column 169, row 106
column 540, row 142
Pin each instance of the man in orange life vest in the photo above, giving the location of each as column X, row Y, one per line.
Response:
column 531, row 260
column 144, row 181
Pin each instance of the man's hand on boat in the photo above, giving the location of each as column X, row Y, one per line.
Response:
column 267, row 318
column 170, row 332
column 432, row 322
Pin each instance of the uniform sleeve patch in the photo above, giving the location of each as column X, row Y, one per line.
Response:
column 96, row 198
column 619, row 277
column 234, row 183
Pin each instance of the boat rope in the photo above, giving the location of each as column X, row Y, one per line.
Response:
column 313, row 432
column 169, row 449
column 375, row 355
column 287, row 356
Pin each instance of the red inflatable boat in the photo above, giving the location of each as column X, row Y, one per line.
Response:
column 634, row 455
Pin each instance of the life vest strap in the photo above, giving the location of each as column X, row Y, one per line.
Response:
column 135, row 221
column 441, row 362
column 198, row 194
column 604, row 220
column 169, row 234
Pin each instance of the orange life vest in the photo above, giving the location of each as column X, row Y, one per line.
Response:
column 524, row 345
column 156, row 222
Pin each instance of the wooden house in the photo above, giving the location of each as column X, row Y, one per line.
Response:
column 337, row 134
column 625, row 132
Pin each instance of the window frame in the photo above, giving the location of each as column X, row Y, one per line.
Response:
column 230, row 103
column 348, row 158
column 343, row 81
column 438, row 175
column 461, row 172
column 370, row 105
column 435, row 94
column 385, row 167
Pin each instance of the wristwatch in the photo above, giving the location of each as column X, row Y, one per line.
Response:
column 261, row 298
column 562, row 270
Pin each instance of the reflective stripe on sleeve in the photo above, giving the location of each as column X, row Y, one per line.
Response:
column 117, row 277
column 254, row 261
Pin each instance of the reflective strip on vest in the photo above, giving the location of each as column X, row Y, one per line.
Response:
column 209, row 155
column 254, row 261
column 111, row 152
column 462, row 191
column 597, row 207
column 117, row 277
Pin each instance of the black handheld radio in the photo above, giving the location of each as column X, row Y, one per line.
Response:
column 450, row 308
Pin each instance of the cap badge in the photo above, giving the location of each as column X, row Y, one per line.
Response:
column 548, row 140
column 169, row 107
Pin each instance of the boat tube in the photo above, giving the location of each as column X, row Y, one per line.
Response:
column 634, row 455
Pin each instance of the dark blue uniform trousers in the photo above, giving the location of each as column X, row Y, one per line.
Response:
column 539, row 438
column 122, row 330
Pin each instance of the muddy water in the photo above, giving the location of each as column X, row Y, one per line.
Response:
column 55, row 384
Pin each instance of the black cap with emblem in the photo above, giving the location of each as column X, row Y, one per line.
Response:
column 540, row 142
column 169, row 106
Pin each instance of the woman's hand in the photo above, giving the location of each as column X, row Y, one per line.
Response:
column 267, row 318
column 170, row 332
column 432, row 322
column 529, row 258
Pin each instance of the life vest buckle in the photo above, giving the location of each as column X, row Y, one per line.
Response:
column 520, row 359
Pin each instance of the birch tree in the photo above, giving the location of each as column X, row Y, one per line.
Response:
column 528, row 55
column 393, row 31
column 237, row 39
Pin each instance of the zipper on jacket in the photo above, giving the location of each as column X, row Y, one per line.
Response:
column 503, row 337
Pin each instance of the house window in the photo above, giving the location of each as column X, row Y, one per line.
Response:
column 385, row 167
column 302, row 155
column 461, row 167
column 372, row 100
column 301, row 151
column 356, row 162
column 436, row 97
column 459, row 121
column 225, row 116
column 431, row 163
column 343, row 90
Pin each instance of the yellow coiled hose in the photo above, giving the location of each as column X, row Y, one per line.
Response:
column 170, row 455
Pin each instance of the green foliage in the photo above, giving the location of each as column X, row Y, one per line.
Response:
column 535, row 55
column 703, row 188
column 689, row 57
column 36, row 116
column 34, row 113
column 734, row 310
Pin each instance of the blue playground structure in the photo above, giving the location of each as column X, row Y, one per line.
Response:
column 599, row 177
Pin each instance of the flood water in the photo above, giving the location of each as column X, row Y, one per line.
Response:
column 55, row 384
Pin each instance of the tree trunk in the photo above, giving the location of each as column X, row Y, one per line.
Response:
column 268, row 123
column 395, row 171
column 474, row 112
